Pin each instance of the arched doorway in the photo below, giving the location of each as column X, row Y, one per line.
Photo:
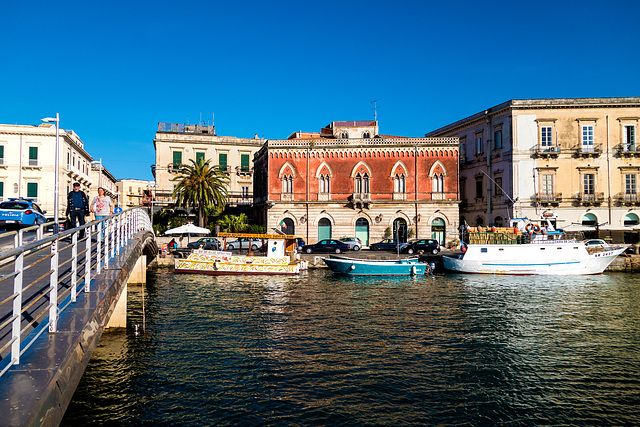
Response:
column 400, row 230
column 631, row 220
column 438, row 229
column 590, row 220
column 362, row 231
column 288, row 226
column 324, row 229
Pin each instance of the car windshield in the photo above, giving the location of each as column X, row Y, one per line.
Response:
column 14, row 205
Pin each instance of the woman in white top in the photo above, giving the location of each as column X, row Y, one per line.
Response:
column 102, row 207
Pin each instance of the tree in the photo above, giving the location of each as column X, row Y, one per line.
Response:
column 201, row 186
column 234, row 223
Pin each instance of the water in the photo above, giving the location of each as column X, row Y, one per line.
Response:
column 324, row 350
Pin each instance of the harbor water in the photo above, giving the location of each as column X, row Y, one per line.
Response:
column 325, row 350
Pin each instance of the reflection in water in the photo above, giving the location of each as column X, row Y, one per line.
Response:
column 321, row 349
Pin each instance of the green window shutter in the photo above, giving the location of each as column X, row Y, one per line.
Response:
column 222, row 161
column 1, row 189
column 244, row 162
column 33, row 153
column 199, row 157
column 32, row 189
column 177, row 158
column 1, row 151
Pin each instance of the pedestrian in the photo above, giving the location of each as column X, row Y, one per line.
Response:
column 173, row 245
column 102, row 207
column 77, row 207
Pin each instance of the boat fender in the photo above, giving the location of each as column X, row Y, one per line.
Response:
column 528, row 228
column 536, row 228
column 352, row 267
column 543, row 231
column 515, row 230
column 493, row 229
column 413, row 270
column 464, row 248
column 479, row 229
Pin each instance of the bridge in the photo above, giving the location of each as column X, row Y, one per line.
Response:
column 57, row 296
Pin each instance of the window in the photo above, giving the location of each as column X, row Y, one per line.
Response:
column 32, row 190
column 245, row 193
column 629, row 138
column 479, row 188
column 587, row 138
column 399, row 184
column 1, row 190
column 630, row 183
column 344, row 135
column 497, row 137
column 222, row 161
column 324, row 183
column 366, row 135
column 287, row 184
column 33, row 156
column 199, row 156
column 361, row 183
column 546, row 138
column 479, row 146
column 497, row 191
column 1, row 154
column 437, row 183
column 547, row 184
column 177, row 159
column 588, row 183
column 244, row 163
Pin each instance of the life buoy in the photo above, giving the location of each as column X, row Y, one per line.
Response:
column 536, row 228
column 544, row 231
column 528, row 228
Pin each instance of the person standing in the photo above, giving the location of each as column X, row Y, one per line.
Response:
column 77, row 206
column 102, row 207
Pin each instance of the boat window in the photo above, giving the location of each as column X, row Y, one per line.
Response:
column 542, row 249
column 559, row 248
column 483, row 249
column 501, row 249
column 575, row 247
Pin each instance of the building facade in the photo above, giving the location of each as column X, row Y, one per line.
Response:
column 27, row 165
column 577, row 157
column 176, row 144
column 348, row 180
column 134, row 192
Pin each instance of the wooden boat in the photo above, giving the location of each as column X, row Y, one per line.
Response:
column 278, row 260
column 364, row 267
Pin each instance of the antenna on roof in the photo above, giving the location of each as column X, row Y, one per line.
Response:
column 375, row 109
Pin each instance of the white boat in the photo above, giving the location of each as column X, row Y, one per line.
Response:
column 529, row 249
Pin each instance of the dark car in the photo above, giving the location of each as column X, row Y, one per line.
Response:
column 18, row 213
column 208, row 243
column 385, row 245
column 424, row 245
column 326, row 245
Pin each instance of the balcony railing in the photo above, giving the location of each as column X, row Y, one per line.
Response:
column 628, row 150
column 546, row 151
column 548, row 198
column 593, row 150
column 629, row 199
column 591, row 198
column 361, row 197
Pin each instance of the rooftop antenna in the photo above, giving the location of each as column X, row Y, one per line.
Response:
column 200, row 121
column 375, row 109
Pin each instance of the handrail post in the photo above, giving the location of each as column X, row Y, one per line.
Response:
column 17, row 309
column 112, row 248
column 107, row 236
column 53, row 288
column 118, row 233
column 87, row 259
column 99, row 247
column 74, row 265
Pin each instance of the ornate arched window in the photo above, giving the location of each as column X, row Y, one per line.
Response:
column 399, row 183
column 324, row 182
column 287, row 184
column 437, row 183
column 361, row 183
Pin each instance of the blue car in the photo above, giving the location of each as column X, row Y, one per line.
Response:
column 18, row 213
column 385, row 245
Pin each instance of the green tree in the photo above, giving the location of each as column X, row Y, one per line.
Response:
column 200, row 186
column 234, row 223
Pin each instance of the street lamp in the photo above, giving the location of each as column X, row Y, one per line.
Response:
column 56, row 200
column 153, row 187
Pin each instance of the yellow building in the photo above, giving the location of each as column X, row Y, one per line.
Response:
column 577, row 157
column 134, row 192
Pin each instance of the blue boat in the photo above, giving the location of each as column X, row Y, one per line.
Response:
column 364, row 267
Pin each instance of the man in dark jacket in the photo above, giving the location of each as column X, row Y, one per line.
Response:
column 77, row 206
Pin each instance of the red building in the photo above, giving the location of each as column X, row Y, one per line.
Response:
column 348, row 180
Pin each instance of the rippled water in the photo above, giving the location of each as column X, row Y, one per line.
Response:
column 325, row 350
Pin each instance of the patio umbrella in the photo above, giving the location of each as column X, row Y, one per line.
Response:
column 611, row 227
column 578, row 227
column 188, row 229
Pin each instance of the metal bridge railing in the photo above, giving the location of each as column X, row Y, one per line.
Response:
column 42, row 278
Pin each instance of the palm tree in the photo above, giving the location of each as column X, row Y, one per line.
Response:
column 200, row 186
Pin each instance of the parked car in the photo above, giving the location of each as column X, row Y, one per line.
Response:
column 326, row 245
column 405, row 244
column 209, row 243
column 17, row 213
column 385, row 245
column 243, row 243
column 354, row 243
column 425, row 245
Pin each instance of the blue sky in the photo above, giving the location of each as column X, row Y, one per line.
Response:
column 113, row 70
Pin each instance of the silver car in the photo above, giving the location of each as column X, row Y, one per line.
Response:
column 354, row 243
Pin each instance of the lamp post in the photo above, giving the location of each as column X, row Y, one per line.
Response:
column 56, row 198
column 152, row 187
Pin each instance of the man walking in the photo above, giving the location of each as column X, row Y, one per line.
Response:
column 77, row 206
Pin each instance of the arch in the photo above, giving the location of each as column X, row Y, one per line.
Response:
column 630, row 220
column 499, row 222
column 361, row 167
column 289, row 226
column 589, row 220
column 362, row 229
column 400, row 229
column 324, row 228
column 399, row 164
column 284, row 170
column 438, row 168
column 438, row 230
column 322, row 171
column 479, row 221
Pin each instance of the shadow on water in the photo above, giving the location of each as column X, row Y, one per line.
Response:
column 324, row 350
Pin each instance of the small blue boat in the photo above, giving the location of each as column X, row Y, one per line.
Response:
column 364, row 267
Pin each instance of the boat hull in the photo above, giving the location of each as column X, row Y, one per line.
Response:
column 236, row 265
column 531, row 259
column 354, row 267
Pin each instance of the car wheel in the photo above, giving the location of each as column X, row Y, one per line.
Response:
column 230, row 247
column 435, row 251
column 254, row 248
column 410, row 251
column 308, row 250
column 356, row 248
column 337, row 250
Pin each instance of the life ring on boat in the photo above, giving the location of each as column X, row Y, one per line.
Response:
column 543, row 231
column 528, row 228
column 536, row 228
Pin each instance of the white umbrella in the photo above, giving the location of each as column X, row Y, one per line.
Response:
column 578, row 227
column 611, row 227
column 188, row 228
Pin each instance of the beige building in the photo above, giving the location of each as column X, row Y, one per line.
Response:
column 576, row 157
column 101, row 177
column 27, row 164
column 134, row 192
column 176, row 144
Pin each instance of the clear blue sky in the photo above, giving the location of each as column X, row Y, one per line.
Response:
column 114, row 69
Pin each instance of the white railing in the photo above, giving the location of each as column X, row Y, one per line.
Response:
column 47, row 274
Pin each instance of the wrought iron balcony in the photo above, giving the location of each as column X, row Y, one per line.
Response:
column 548, row 198
column 591, row 198
column 628, row 150
column 594, row 150
column 630, row 199
column 543, row 152
column 361, row 197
